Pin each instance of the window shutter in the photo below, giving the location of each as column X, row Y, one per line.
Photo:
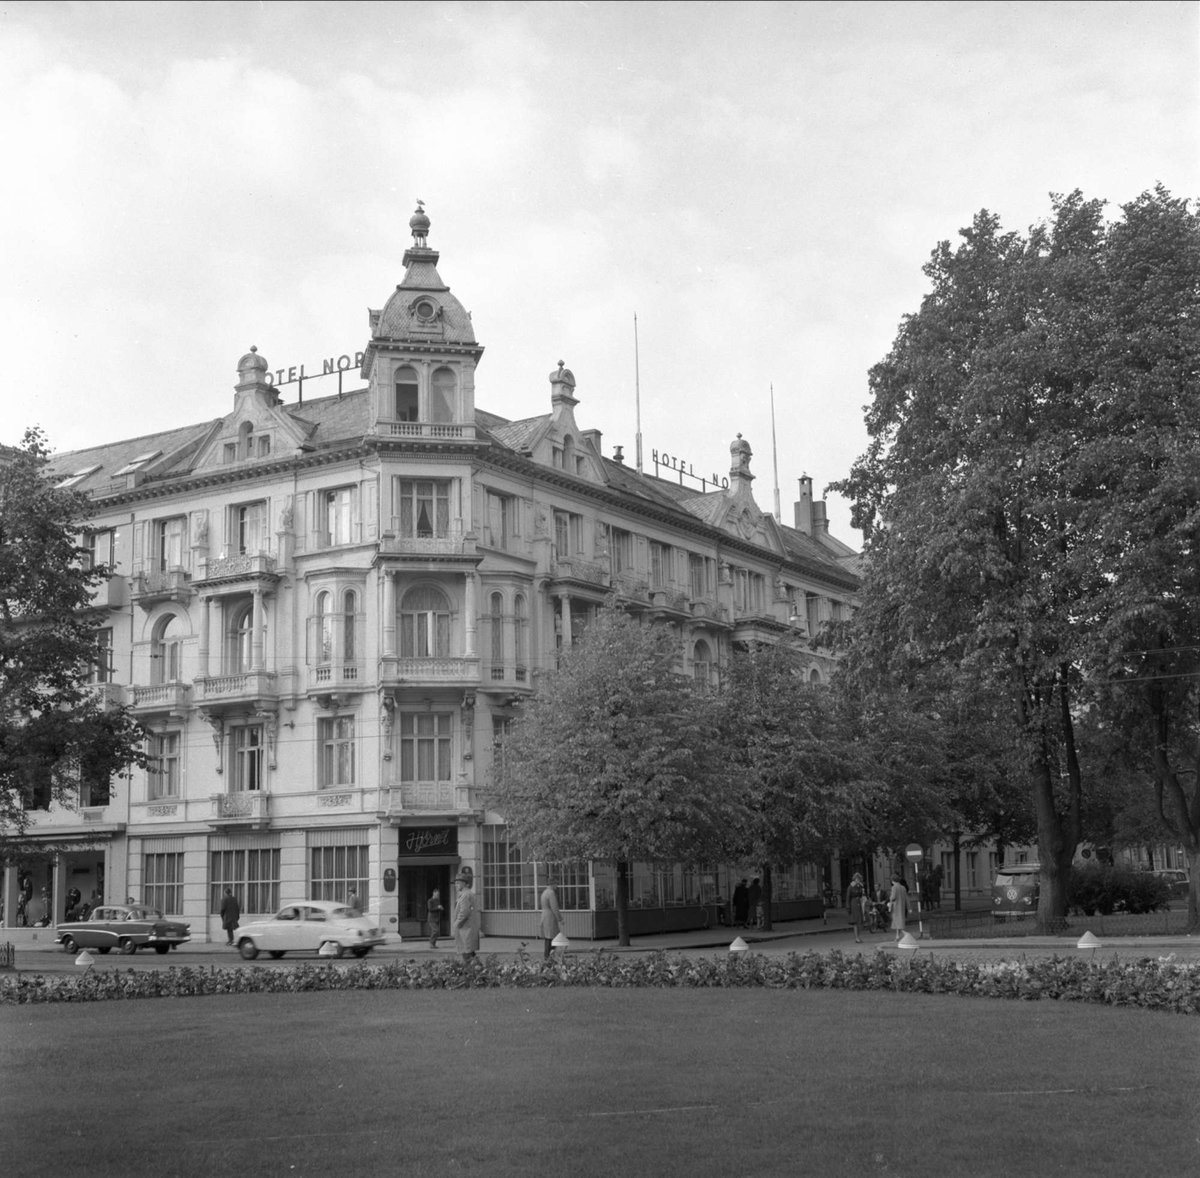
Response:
column 371, row 504
column 139, row 546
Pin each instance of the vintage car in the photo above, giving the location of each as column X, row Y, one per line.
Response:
column 124, row 927
column 1015, row 891
column 311, row 926
column 1176, row 880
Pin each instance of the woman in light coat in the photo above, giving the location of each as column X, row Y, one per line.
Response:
column 550, row 924
column 899, row 902
column 466, row 915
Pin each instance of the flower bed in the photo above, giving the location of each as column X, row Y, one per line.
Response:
column 1152, row 983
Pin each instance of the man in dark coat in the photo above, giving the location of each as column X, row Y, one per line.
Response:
column 230, row 911
column 755, row 902
column 741, row 904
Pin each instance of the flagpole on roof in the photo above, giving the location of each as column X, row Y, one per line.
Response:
column 775, row 455
column 637, row 393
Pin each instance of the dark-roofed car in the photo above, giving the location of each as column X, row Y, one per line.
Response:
column 124, row 927
column 310, row 927
column 1176, row 880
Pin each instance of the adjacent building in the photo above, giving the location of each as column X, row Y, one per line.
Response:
column 327, row 610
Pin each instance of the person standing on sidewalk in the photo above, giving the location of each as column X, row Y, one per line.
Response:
column 466, row 915
column 230, row 914
column 551, row 922
column 855, row 895
column 899, row 902
column 433, row 911
column 755, row 897
column 741, row 904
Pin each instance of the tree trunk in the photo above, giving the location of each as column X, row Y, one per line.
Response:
column 623, row 903
column 1056, row 850
column 767, row 891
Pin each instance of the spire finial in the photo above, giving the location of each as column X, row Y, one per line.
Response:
column 419, row 224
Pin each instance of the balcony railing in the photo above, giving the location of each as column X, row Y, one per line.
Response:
column 159, row 585
column 332, row 676
column 428, row 429
column 159, row 697
column 427, row 546
column 109, row 695
column 437, row 670
column 244, row 564
column 424, row 796
column 241, row 807
column 706, row 607
column 111, row 593
column 575, row 569
column 631, row 586
column 244, row 685
column 671, row 599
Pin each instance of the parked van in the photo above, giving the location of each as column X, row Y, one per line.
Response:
column 1015, row 890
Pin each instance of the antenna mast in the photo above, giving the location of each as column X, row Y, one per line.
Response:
column 637, row 393
column 775, row 455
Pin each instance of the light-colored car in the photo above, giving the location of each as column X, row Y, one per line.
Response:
column 309, row 927
column 1015, row 891
column 125, row 927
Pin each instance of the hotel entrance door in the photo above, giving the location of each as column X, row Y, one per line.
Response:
column 413, row 887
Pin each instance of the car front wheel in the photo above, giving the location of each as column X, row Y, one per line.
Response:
column 361, row 952
column 162, row 948
column 248, row 949
column 127, row 946
column 68, row 944
column 104, row 949
column 335, row 948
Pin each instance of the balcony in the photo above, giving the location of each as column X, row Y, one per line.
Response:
column 160, row 586
column 346, row 676
column 108, row 695
column 442, row 797
column 581, row 571
column 449, row 672
column 429, row 548
column 241, row 567
column 631, row 587
column 171, row 698
column 111, row 593
column 243, row 687
column 436, row 431
column 669, row 601
column 707, row 609
column 240, row 809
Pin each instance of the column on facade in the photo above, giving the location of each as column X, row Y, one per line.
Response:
column 389, row 612
column 472, row 613
column 564, row 604
column 58, row 901
column 256, row 638
column 202, row 646
column 12, row 886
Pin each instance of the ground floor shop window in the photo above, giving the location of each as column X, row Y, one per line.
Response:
column 338, row 871
column 252, row 873
column 512, row 883
column 162, row 881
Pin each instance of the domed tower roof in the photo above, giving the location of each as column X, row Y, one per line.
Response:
column 422, row 310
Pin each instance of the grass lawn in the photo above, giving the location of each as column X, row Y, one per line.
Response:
column 603, row 1082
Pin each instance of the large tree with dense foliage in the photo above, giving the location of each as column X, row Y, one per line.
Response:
column 616, row 757
column 54, row 728
column 1029, row 497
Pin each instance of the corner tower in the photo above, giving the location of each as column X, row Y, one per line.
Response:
column 420, row 363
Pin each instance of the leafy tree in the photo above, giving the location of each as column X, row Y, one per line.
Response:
column 1019, row 412
column 54, row 729
column 794, row 761
column 616, row 758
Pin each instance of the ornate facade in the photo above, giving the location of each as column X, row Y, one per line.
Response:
column 326, row 611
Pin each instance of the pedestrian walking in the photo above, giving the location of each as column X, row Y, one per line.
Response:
column 230, row 913
column 354, row 903
column 466, row 915
column 550, row 923
column 899, row 903
column 856, row 894
column 755, row 897
column 741, row 904
column 433, row 911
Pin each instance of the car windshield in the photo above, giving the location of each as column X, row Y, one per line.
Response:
column 1015, row 877
column 144, row 914
column 342, row 914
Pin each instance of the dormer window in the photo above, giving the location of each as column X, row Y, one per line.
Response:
column 77, row 477
column 245, row 441
column 407, row 395
column 137, row 463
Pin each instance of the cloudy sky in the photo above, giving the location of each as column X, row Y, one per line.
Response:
column 760, row 183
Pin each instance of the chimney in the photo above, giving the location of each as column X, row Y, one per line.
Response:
column 804, row 507
column 619, row 454
column 820, row 520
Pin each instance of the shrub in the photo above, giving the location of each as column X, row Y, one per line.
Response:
column 1157, row 984
column 1103, row 888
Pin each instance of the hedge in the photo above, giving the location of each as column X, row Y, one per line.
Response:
column 1152, row 983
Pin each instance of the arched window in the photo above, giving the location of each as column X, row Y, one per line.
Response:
column 814, row 676
column 521, row 637
column 424, row 623
column 349, row 632
column 569, row 455
column 323, row 629
column 497, row 627
column 442, row 396
column 166, row 651
column 407, row 395
column 245, row 442
column 702, row 664
column 240, row 639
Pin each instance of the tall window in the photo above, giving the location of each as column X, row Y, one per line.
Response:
column 162, row 881
column 323, row 627
column 698, row 575
column 338, row 871
column 349, row 626
column 423, row 508
column 246, row 761
column 169, row 536
column 501, row 520
column 568, row 534
column 166, row 651
column 620, row 550
column 496, row 623
column 425, row 745
column 508, row 881
column 248, row 527
column 102, row 671
column 164, row 765
column 424, row 623
column 95, row 787
column 336, row 737
column 252, row 873
column 407, row 395
column 239, row 639
column 948, row 870
column 972, row 869
column 99, row 548
column 521, row 636
column 702, row 664
column 660, row 565
column 442, row 396
column 337, row 516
